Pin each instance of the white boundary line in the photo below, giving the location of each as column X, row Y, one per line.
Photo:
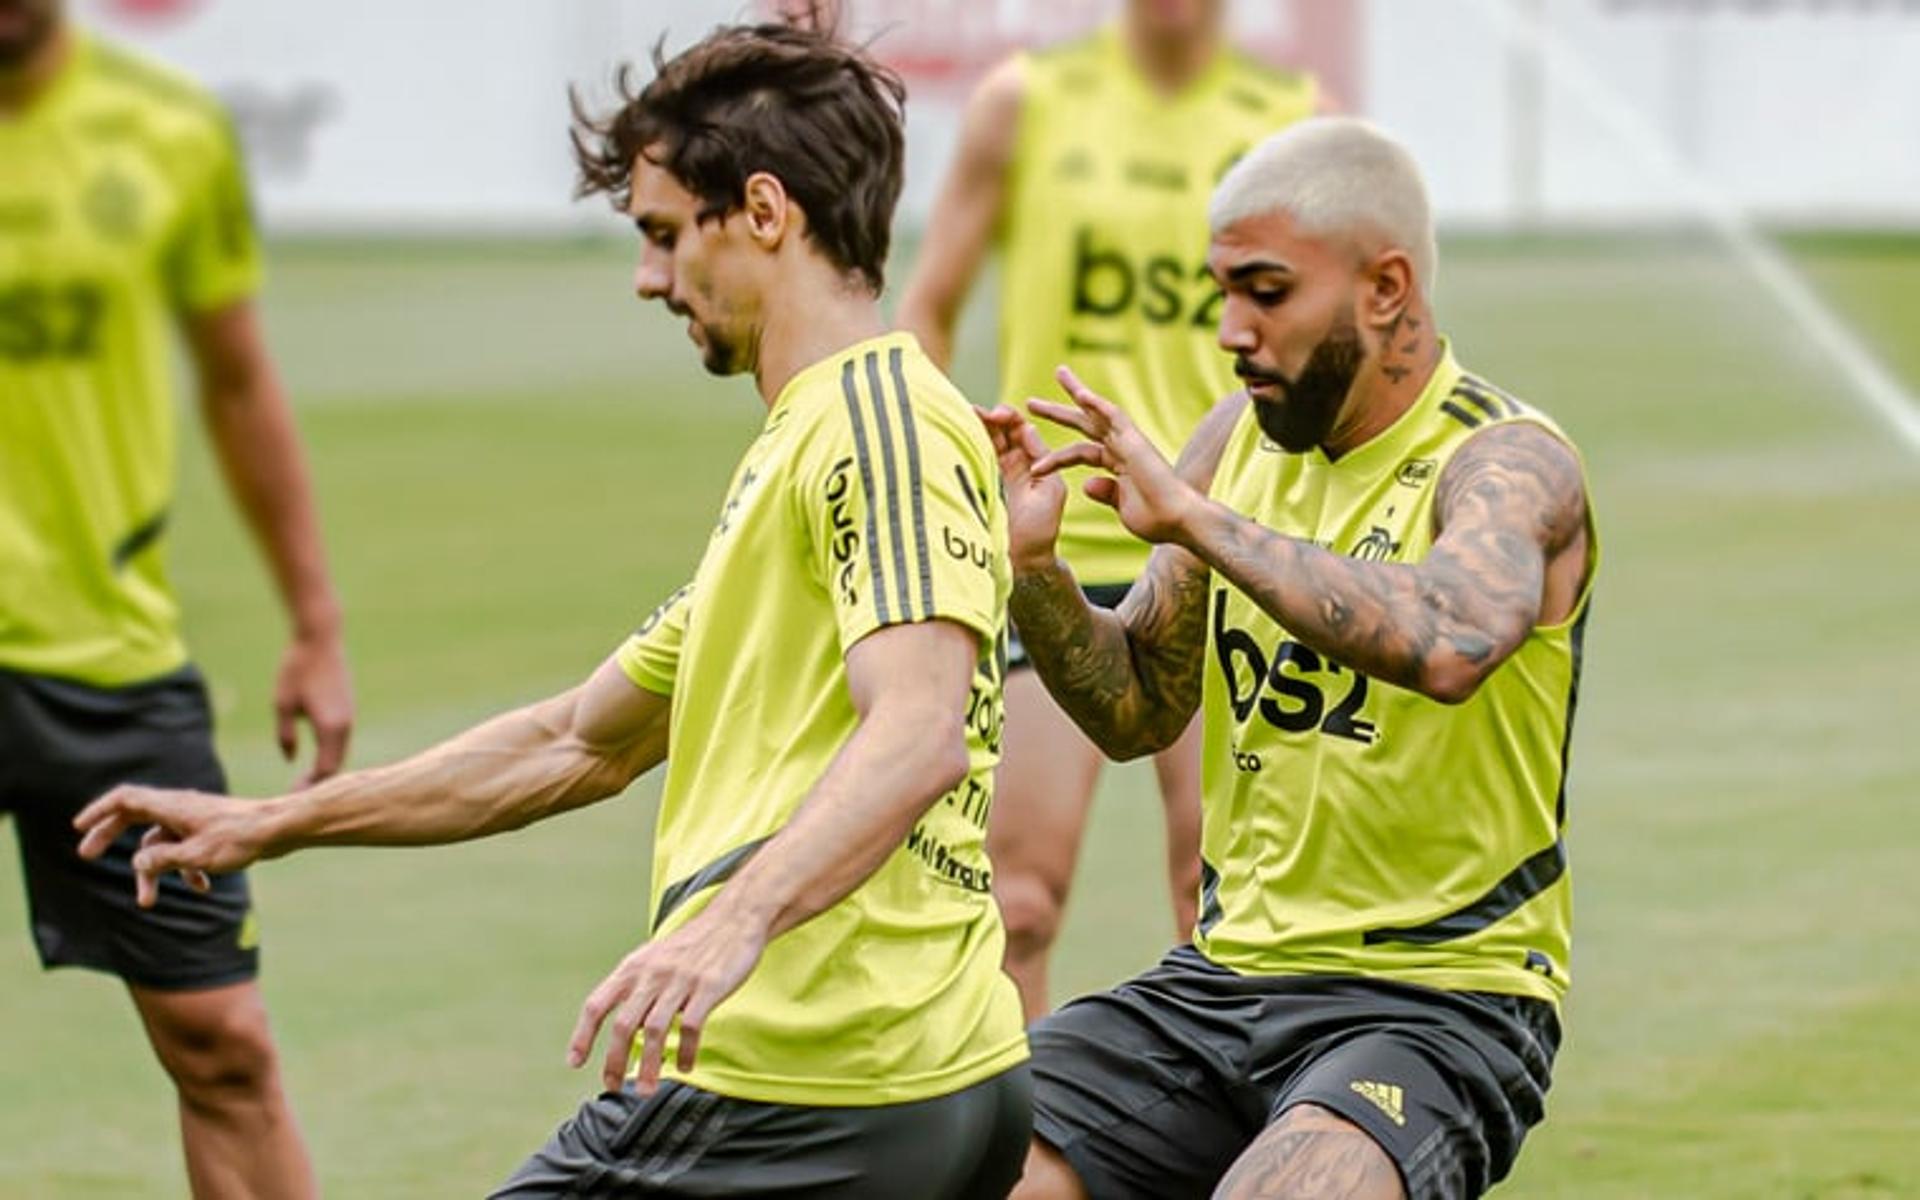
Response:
column 1872, row 384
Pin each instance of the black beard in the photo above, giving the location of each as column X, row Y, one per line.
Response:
column 1304, row 415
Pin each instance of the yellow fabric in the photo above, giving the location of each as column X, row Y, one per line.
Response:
column 870, row 499
column 1104, row 249
column 1355, row 827
column 122, row 206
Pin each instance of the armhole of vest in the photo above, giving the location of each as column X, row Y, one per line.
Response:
column 1530, row 416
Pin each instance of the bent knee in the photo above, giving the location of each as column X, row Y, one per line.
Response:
column 215, row 1053
column 1030, row 907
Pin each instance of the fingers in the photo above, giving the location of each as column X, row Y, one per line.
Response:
column 286, row 727
column 1089, row 400
column 119, row 810
column 653, row 1028
column 1067, row 416
column 599, row 1002
column 330, row 738
column 1080, row 454
column 1103, row 489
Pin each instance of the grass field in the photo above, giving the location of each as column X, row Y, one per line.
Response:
column 516, row 460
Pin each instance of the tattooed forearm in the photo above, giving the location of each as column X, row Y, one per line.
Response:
column 1130, row 679
column 1314, row 1164
column 1508, row 502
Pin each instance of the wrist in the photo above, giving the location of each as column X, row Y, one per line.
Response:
column 1191, row 522
column 275, row 828
column 318, row 623
column 1035, row 564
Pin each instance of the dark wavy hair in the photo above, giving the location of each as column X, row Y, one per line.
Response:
column 790, row 99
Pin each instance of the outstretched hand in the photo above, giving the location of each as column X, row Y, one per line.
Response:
column 1034, row 502
column 194, row 833
column 1154, row 503
column 681, row 977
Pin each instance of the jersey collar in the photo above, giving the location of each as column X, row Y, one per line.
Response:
column 818, row 373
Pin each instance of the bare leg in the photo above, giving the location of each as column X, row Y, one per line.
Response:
column 1178, row 768
column 1312, row 1154
column 1045, row 784
column 1047, row 1176
column 235, row 1124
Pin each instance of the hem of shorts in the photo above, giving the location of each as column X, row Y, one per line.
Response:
column 1356, row 1111
column 1085, row 1167
column 835, row 1093
column 196, row 982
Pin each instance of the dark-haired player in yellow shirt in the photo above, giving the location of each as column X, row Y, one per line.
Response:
column 1089, row 165
column 123, row 220
column 820, row 986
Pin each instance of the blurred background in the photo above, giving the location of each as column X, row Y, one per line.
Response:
column 1688, row 229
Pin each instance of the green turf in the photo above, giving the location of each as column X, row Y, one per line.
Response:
column 516, row 460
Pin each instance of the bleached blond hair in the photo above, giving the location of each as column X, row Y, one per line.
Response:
column 1335, row 176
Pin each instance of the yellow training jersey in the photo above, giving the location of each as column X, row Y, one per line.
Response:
column 122, row 206
column 1355, row 827
column 871, row 498
column 1104, row 249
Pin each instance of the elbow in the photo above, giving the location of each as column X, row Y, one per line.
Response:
column 948, row 761
column 1450, row 683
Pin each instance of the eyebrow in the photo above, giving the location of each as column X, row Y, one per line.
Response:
column 1258, row 267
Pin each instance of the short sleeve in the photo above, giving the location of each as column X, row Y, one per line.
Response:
column 901, row 523
column 215, row 256
column 651, row 656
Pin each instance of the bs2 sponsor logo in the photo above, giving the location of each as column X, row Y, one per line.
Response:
column 1166, row 291
column 1290, row 687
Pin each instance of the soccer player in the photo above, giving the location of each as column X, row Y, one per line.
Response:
column 1090, row 166
column 823, row 933
column 123, row 215
column 1371, row 575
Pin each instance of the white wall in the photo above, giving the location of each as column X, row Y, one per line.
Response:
column 451, row 114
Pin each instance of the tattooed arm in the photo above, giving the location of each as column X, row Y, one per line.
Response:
column 1129, row 678
column 1511, row 546
column 1511, row 550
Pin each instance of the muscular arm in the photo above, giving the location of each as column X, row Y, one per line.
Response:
column 1509, row 505
column 965, row 214
column 909, row 685
column 1129, row 678
column 253, row 435
column 571, row 750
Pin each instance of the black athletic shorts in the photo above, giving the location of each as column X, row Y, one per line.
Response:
column 65, row 743
column 1101, row 595
column 685, row 1142
column 1152, row 1089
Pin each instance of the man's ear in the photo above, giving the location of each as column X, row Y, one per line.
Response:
column 1389, row 288
column 769, row 211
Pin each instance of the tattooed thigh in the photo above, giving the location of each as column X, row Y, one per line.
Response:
column 1312, row 1154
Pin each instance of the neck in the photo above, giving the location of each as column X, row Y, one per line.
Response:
column 24, row 84
column 1169, row 63
column 1388, row 386
column 827, row 318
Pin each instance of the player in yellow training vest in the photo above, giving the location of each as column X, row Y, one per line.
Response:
column 123, row 222
column 822, row 989
column 1371, row 574
column 1090, row 165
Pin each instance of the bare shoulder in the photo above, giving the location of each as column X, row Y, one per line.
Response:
column 1518, row 472
column 1200, row 458
column 993, row 111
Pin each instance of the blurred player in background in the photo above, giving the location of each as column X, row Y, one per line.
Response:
column 1089, row 165
column 123, row 214
column 1371, row 577
column 823, row 931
